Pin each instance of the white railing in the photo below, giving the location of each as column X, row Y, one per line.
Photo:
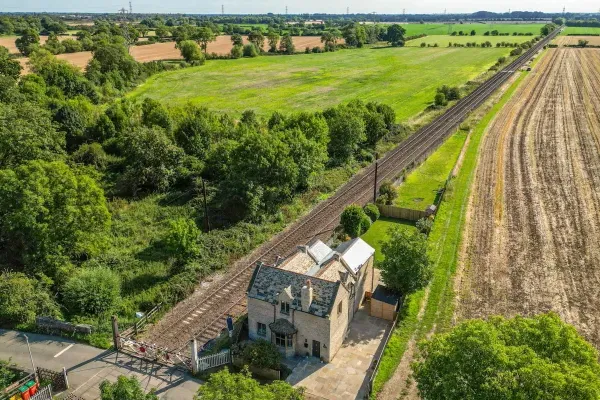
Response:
column 43, row 394
column 214, row 360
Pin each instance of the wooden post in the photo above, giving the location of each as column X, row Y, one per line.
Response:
column 194, row 349
column 375, row 183
column 115, row 329
column 65, row 377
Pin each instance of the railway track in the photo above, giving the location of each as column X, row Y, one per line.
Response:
column 205, row 316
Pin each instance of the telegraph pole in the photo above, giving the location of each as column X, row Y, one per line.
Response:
column 206, row 220
column 375, row 183
column 130, row 9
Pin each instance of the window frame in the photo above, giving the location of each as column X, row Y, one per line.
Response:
column 285, row 308
column 282, row 340
column 261, row 332
column 340, row 307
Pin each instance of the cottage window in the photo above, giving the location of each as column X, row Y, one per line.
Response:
column 281, row 339
column 261, row 329
column 340, row 307
column 285, row 307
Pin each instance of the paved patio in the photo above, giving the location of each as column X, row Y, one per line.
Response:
column 345, row 378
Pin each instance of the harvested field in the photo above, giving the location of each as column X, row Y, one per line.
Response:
column 9, row 42
column 80, row 60
column 574, row 40
column 533, row 228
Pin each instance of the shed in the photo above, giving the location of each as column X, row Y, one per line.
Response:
column 384, row 303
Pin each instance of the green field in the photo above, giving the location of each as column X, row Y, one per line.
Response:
column 480, row 29
column 378, row 233
column 580, row 30
column 404, row 78
column 443, row 40
column 419, row 189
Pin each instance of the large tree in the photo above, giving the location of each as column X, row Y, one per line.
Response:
column 49, row 212
column 8, row 66
column 395, row 35
column 26, row 42
column 406, row 266
column 273, row 39
column 257, row 37
column 190, row 51
column 204, row 35
column 518, row 358
column 346, row 132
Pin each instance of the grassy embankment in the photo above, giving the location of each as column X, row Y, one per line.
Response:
column 404, row 78
column 445, row 240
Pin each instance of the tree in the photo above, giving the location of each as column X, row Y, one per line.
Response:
column 204, row 36
column 250, row 50
column 181, row 239
column 354, row 34
column 23, row 298
column 346, row 131
column 355, row 221
column 53, row 45
column 547, row 29
column 387, row 193
column 372, row 211
column 582, row 43
column 27, row 133
column 162, row 32
column 440, row 100
column 287, row 45
column 154, row 113
column 72, row 46
column 191, row 52
column 92, row 291
column 8, row 66
column 152, row 160
column 473, row 33
column 273, row 39
column 518, row 358
column 309, row 155
column 262, row 354
column 125, row 388
column 330, row 38
column 257, row 38
column 50, row 213
column 225, row 385
column 406, row 267
column 237, row 40
column 237, row 51
column 395, row 35
column 26, row 43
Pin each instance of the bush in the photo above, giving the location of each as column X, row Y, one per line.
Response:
column 190, row 51
column 181, row 240
column 355, row 221
column 387, row 193
column 250, row 50
column 92, row 291
column 424, row 225
column 262, row 354
column 237, row 51
column 125, row 388
column 91, row 154
column 440, row 100
column 23, row 298
column 372, row 211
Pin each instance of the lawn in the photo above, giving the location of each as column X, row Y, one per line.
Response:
column 420, row 187
column 480, row 29
column 443, row 40
column 378, row 233
column 404, row 78
column 580, row 30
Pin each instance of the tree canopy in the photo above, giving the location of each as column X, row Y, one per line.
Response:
column 518, row 358
column 125, row 388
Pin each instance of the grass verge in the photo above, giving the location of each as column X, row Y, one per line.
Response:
column 444, row 243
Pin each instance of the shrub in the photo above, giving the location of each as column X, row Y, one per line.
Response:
column 424, row 225
column 354, row 220
column 262, row 354
column 91, row 154
column 92, row 291
column 372, row 211
column 250, row 50
column 237, row 51
column 181, row 240
column 387, row 193
column 125, row 388
column 22, row 298
column 190, row 51
column 423, row 44
column 440, row 99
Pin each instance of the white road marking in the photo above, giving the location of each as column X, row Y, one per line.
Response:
column 65, row 349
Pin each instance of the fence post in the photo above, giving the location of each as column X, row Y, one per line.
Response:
column 66, row 379
column 194, row 349
column 115, row 329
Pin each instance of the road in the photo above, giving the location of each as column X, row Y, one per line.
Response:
column 88, row 366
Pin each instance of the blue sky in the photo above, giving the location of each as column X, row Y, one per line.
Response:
column 305, row 6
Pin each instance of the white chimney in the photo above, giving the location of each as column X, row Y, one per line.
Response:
column 306, row 295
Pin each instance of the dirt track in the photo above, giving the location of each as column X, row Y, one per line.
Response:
column 533, row 233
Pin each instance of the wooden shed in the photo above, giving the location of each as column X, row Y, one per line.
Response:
column 384, row 303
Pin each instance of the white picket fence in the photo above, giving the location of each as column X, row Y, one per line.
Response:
column 214, row 360
column 43, row 394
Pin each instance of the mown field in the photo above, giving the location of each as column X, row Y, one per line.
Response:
column 404, row 78
column 580, row 30
column 443, row 40
column 480, row 29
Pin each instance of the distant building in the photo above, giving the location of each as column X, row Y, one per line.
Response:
column 305, row 303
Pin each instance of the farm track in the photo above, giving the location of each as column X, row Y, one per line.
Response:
column 534, row 220
column 204, row 316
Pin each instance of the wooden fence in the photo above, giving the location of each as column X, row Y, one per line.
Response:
column 214, row 360
column 401, row 213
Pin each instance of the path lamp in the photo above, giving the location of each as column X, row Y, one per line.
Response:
column 30, row 355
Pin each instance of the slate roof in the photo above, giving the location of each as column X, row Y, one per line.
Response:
column 385, row 295
column 268, row 282
column 283, row 327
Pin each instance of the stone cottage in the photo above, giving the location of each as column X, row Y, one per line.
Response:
column 304, row 303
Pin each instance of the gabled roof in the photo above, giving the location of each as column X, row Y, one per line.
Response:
column 355, row 253
column 268, row 282
column 283, row 326
column 319, row 251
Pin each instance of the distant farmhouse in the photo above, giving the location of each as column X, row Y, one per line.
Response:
column 304, row 304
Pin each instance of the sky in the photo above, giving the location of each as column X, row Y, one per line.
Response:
column 297, row 6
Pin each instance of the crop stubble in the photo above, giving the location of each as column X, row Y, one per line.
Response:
column 533, row 239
